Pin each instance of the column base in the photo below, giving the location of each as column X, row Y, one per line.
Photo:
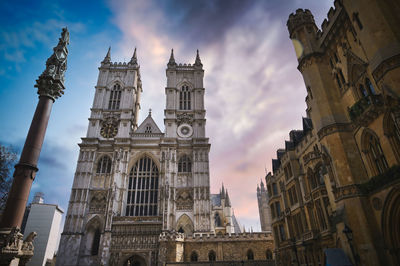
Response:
column 13, row 249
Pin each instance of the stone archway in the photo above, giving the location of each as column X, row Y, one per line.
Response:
column 391, row 225
column 135, row 260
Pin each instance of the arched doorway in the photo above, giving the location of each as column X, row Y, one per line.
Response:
column 391, row 225
column 135, row 260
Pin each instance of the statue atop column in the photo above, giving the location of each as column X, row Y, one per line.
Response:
column 13, row 249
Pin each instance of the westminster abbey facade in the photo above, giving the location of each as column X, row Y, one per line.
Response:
column 141, row 196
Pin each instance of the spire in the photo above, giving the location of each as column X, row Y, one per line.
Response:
column 150, row 112
column 134, row 58
column 107, row 59
column 198, row 61
column 222, row 191
column 227, row 200
column 171, row 61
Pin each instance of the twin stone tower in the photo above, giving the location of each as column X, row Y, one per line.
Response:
column 134, row 182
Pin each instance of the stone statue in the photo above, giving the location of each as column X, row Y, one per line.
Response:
column 51, row 82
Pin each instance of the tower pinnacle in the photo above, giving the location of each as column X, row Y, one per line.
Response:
column 107, row 59
column 134, row 58
column 171, row 61
column 198, row 60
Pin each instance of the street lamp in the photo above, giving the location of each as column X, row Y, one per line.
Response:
column 348, row 232
column 349, row 235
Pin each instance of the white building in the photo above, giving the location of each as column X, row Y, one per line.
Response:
column 44, row 219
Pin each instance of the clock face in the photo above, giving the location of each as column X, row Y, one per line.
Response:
column 185, row 131
column 109, row 130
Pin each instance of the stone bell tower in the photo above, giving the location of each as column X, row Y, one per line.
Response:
column 185, row 149
column 100, row 177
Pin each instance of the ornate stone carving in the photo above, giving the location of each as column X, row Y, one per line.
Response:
column 51, row 82
column 98, row 201
column 185, row 118
column 12, row 246
column 333, row 128
column 184, row 200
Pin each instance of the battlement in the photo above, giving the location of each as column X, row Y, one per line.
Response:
column 327, row 24
column 300, row 18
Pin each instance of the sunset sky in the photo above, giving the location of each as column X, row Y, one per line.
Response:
column 254, row 92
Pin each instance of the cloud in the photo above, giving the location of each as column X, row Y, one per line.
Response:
column 254, row 93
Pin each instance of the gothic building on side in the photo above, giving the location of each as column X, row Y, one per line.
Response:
column 263, row 208
column 335, row 186
column 141, row 196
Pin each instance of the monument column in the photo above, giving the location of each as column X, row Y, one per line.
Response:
column 50, row 86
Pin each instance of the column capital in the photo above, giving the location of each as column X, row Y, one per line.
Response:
column 51, row 82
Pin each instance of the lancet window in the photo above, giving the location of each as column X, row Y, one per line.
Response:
column 373, row 149
column 184, row 164
column 184, row 98
column 142, row 195
column 115, row 97
column 104, row 165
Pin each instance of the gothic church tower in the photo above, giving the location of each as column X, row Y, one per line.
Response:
column 100, row 177
column 185, row 149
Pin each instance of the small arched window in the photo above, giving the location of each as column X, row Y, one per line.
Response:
column 212, row 256
column 193, row 256
column 370, row 87
column 268, row 254
column 148, row 129
column 363, row 92
column 217, row 220
column 115, row 97
column 250, row 255
column 184, row 164
column 376, row 154
column 339, row 83
column 104, row 165
column 96, row 243
column 184, row 98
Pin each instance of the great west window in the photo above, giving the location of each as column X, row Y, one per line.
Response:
column 143, row 189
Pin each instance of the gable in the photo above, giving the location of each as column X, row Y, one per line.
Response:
column 148, row 126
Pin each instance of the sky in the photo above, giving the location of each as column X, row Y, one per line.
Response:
column 254, row 92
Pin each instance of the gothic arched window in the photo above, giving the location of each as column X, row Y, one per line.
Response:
column 115, row 97
column 250, row 255
column 96, row 243
column 143, row 189
column 193, row 256
column 373, row 150
column 392, row 131
column 363, row 91
column 370, row 88
column 212, row 256
column 148, row 129
column 184, row 164
column 268, row 254
column 184, row 98
column 104, row 165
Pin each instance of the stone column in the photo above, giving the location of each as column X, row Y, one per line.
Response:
column 50, row 86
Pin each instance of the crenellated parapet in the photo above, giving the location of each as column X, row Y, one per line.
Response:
column 302, row 17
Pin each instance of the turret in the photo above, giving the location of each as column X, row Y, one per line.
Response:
column 303, row 32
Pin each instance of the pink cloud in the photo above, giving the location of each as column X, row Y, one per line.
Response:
column 254, row 92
